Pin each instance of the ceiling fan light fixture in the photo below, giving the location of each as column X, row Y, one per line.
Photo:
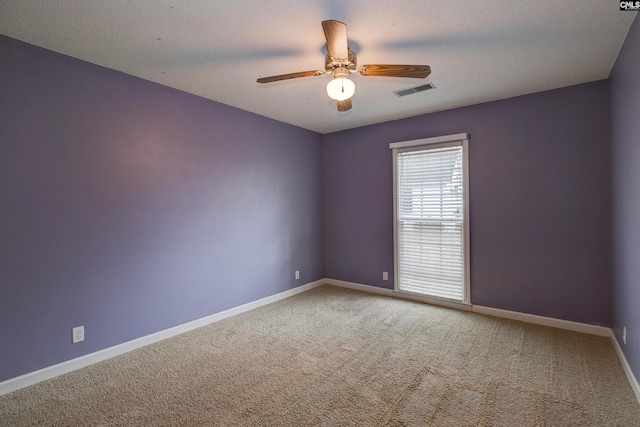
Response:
column 341, row 88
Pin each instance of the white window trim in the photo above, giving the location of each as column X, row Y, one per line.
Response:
column 397, row 147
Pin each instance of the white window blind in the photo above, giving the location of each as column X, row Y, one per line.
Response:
column 430, row 220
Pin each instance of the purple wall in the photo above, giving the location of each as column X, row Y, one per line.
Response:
column 625, row 140
column 129, row 207
column 539, row 200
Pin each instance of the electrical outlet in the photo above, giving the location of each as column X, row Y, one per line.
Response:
column 77, row 334
column 297, row 274
column 624, row 335
column 385, row 275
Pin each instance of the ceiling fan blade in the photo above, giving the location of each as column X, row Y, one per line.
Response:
column 336, row 34
column 290, row 76
column 386, row 70
column 344, row 105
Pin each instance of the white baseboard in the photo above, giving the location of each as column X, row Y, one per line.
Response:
column 359, row 287
column 496, row 312
column 98, row 356
column 398, row 294
column 586, row 328
column 625, row 365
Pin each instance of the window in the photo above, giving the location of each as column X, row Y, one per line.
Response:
column 431, row 235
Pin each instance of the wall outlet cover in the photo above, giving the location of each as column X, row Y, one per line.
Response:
column 77, row 334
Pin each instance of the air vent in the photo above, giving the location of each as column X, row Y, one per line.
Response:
column 411, row 90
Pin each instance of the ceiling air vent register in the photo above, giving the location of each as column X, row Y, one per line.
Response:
column 412, row 90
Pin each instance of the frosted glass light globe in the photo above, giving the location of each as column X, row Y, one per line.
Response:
column 340, row 89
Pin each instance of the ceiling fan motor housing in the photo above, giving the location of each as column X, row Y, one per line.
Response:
column 341, row 67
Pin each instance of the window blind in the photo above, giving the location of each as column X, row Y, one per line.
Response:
column 430, row 221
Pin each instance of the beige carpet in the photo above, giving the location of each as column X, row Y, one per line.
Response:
column 336, row 357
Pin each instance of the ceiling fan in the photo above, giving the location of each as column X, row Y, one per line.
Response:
column 341, row 61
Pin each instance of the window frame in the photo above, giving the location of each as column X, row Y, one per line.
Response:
column 426, row 144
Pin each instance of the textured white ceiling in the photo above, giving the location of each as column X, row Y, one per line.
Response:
column 478, row 50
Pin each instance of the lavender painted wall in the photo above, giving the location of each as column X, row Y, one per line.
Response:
column 625, row 140
column 129, row 207
column 539, row 200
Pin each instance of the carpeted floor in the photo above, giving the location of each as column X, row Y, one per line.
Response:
column 337, row 357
